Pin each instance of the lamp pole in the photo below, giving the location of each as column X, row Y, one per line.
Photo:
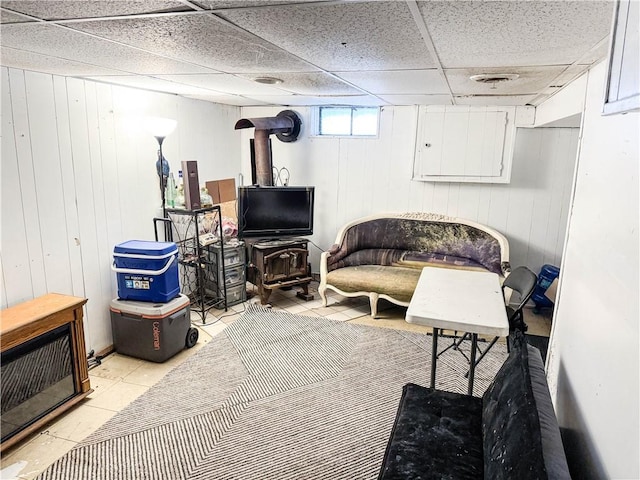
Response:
column 167, row 228
column 161, row 127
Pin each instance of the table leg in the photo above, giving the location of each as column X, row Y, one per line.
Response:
column 472, row 362
column 434, row 356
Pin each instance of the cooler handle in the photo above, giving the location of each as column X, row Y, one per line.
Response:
column 132, row 271
column 147, row 257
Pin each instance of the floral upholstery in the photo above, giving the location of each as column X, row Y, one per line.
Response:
column 382, row 256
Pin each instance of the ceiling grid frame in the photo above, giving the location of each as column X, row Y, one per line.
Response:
column 377, row 84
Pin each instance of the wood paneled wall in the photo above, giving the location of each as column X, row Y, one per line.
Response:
column 359, row 177
column 78, row 177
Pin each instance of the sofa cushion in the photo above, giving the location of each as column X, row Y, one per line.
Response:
column 423, row 259
column 436, row 435
column 373, row 256
column 511, row 423
column 405, row 258
column 397, row 282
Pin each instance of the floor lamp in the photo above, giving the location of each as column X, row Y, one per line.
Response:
column 160, row 128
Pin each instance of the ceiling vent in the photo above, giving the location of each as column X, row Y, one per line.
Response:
column 493, row 78
column 268, row 80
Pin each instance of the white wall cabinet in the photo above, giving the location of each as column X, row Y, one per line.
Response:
column 464, row 144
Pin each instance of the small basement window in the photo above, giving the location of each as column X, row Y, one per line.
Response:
column 348, row 121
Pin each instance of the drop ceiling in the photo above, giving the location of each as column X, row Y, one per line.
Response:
column 323, row 52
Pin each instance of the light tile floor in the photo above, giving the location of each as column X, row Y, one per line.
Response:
column 120, row 379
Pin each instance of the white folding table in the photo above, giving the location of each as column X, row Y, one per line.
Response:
column 460, row 300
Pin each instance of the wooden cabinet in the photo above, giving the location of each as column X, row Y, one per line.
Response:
column 280, row 264
column 44, row 363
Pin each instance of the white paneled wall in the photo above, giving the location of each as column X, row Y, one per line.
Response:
column 78, row 177
column 358, row 177
column 593, row 367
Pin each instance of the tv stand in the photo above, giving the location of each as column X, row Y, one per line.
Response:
column 282, row 263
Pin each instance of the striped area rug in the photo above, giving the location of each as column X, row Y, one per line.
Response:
column 274, row 396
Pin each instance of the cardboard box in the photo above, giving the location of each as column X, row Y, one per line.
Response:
column 228, row 210
column 222, row 190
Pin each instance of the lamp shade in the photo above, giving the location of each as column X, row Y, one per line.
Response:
column 159, row 126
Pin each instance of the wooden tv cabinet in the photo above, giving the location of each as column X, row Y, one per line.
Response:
column 278, row 264
column 44, row 363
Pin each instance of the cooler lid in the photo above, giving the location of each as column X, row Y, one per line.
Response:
column 145, row 247
column 150, row 309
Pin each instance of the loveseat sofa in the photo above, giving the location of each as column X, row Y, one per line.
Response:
column 382, row 256
column 510, row 433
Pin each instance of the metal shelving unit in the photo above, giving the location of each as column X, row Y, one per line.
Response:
column 192, row 231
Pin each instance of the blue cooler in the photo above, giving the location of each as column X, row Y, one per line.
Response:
column 147, row 271
column 548, row 273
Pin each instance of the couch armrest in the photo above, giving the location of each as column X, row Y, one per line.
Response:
column 555, row 461
column 520, row 431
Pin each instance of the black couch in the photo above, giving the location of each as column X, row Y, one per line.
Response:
column 509, row 433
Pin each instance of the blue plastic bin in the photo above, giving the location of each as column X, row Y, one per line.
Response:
column 146, row 271
column 548, row 273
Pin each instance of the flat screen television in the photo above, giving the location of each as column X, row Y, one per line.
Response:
column 275, row 212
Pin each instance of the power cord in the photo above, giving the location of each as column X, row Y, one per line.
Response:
column 281, row 176
column 319, row 248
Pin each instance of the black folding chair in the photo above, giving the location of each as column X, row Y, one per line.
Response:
column 522, row 281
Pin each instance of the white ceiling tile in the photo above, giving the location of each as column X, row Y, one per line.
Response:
column 311, row 84
column 229, row 100
column 364, row 47
column 199, row 39
column 417, row 99
column 151, row 83
column 493, row 100
column 65, row 9
column 12, row 57
column 510, row 33
column 530, row 80
column 286, row 100
column 302, row 100
column 218, row 4
column 341, row 37
column 399, row 82
column 596, row 54
column 7, row 17
column 226, row 83
column 564, row 78
column 67, row 44
column 571, row 73
column 353, row 100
